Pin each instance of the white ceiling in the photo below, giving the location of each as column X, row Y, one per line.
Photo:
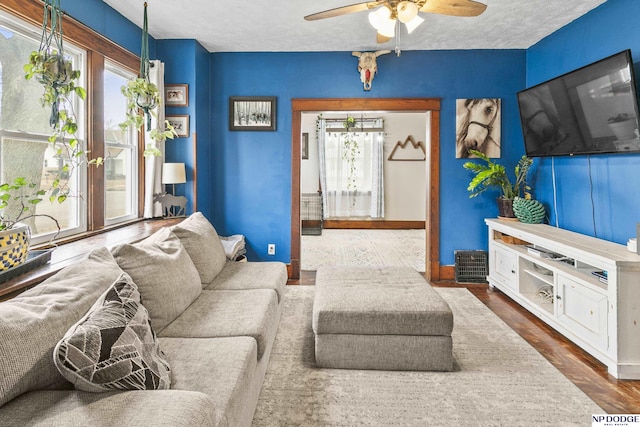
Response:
column 278, row 25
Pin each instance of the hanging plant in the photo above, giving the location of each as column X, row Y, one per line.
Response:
column 350, row 150
column 142, row 99
column 140, row 91
column 54, row 71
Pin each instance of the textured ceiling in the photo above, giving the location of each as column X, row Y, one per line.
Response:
column 278, row 25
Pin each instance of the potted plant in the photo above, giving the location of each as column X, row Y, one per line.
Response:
column 349, row 151
column 142, row 97
column 490, row 174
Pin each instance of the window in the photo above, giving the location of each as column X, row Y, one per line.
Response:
column 24, row 129
column 121, row 149
column 110, row 193
column 351, row 172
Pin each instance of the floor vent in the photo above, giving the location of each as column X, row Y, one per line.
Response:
column 471, row 266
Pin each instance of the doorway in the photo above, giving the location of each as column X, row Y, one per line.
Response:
column 427, row 105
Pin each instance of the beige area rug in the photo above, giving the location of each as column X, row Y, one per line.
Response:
column 375, row 248
column 500, row 380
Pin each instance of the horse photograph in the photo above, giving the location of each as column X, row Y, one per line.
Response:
column 478, row 127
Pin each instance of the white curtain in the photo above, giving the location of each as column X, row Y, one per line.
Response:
column 377, row 176
column 153, row 164
column 351, row 169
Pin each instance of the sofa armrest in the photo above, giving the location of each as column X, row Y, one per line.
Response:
column 174, row 408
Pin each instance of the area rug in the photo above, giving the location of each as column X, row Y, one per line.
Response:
column 499, row 379
column 374, row 248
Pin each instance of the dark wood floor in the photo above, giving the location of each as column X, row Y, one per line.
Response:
column 613, row 395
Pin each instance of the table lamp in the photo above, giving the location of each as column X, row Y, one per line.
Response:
column 173, row 173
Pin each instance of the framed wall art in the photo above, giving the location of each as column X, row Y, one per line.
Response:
column 180, row 123
column 176, row 95
column 478, row 123
column 252, row 113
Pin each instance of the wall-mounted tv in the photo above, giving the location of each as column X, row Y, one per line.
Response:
column 592, row 110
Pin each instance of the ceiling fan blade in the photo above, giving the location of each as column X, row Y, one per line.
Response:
column 454, row 7
column 382, row 39
column 338, row 11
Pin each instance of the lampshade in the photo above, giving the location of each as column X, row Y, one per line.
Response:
column 407, row 10
column 388, row 28
column 379, row 16
column 173, row 173
column 413, row 24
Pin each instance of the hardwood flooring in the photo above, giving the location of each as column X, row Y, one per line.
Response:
column 613, row 395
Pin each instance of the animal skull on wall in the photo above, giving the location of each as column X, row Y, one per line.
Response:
column 367, row 66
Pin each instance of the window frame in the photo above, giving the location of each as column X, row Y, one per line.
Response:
column 132, row 146
column 98, row 49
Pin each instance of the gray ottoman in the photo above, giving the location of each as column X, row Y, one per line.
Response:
column 380, row 318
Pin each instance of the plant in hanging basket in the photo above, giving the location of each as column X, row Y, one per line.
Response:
column 142, row 97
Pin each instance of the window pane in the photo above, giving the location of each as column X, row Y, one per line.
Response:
column 121, row 173
column 20, row 108
column 24, row 128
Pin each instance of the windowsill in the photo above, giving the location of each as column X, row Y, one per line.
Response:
column 71, row 252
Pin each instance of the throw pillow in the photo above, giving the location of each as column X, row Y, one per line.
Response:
column 32, row 323
column 203, row 245
column 113, row 346
column 162, row 269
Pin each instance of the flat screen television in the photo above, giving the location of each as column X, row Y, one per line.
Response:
column 592, row 110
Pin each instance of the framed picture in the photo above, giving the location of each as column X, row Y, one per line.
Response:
column 176, row 95
column 478, row 122
column 304, row 150
column 252, row 113
column 180, row 123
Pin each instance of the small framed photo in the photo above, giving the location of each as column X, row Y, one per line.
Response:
column 176, row 95
column 180, row 123
column 252, row 113
column 304, row 150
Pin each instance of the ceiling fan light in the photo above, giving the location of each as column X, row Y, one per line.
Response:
column 378, row 17
column 388, row 29
column 407, row 11
column 413, row 24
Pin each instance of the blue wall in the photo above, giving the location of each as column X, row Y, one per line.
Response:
column 100, row 17
column 606, row 30
column 186, row 62
column 244, row 177
column 251, row 186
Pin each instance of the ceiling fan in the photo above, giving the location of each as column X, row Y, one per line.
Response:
column 387, row 12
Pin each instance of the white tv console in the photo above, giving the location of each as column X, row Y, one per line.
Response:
column 600, row 315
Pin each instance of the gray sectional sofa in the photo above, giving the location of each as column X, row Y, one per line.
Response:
column 163, row 332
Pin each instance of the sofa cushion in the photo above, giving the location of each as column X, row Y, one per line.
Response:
column 251, row 275
column 166, row 277
column 32, row 323
column 230, row 365
column 253, row 313
column 171, row 408
column 113, row 346
column 203, row 245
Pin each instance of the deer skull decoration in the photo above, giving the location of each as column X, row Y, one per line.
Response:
column 367, row 66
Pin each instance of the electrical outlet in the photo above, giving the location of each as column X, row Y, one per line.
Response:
column 271, row 249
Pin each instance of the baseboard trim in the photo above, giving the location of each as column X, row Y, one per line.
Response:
column 445, row 273
column 373, row 224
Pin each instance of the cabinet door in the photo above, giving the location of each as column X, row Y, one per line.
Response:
column 583, row 311
column 504, row 267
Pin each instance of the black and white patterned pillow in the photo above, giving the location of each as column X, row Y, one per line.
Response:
column 113, row 346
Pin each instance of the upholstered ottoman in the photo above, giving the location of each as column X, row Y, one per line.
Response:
column 380, row 318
